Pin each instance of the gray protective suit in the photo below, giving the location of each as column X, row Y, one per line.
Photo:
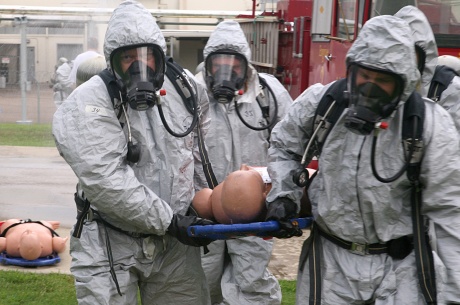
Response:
column 424, row 37
column 140, row 197
column 62, row 86
column 236, row 269
column 350, row 203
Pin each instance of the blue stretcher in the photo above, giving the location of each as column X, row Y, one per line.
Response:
column 229, row 231
column 19, row 261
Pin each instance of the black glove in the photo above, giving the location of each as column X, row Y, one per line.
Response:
column 282, row 210
column 178, row 229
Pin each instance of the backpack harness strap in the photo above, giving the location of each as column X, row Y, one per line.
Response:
column 183, row 84
column 330, row 115
column 112, row 89
column 327, row 113
column 412, row 136
column 264, row 105
column 186, row 87
column 442, row 77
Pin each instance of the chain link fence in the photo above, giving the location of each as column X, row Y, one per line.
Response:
column 34, row 105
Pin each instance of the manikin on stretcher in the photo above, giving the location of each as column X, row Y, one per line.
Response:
column 29, row 239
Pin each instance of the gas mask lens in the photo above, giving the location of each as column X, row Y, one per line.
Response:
column 225, row 74
column 139, row 70
column 374, row 95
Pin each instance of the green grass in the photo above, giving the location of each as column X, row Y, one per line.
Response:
column 288, row 289
column 36, row 288
column 58, row 289
column 14, row 134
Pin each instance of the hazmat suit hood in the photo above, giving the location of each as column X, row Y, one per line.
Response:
column 385, row 43
column 61, row 61
column 423, row 37
column 141, row 30
column 228, row 35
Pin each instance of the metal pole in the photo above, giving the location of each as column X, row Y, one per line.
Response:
column 38, row 102
column 22, row 21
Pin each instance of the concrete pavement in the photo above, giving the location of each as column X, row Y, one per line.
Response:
column 36, row 183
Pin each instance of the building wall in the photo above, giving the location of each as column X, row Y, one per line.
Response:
column 48, row 44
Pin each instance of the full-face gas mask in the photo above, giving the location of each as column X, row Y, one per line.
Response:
column 226, row 73
column 139, row 71
column 370, row 101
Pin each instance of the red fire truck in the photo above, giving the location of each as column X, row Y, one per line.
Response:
column 305, row 41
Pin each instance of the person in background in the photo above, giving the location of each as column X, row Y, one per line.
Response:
column 361, row 247
column 89, row 68
column 92, row 51
column 239, row 134
column 60, row 83
column 427, row 60
column 136, row 180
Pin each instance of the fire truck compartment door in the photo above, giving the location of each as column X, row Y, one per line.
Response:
column 322, row 17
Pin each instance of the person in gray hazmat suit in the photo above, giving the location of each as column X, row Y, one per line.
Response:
column 60, row 83
column 428, row 60
column 362, row 226
column 236, row 269
column 138, row 178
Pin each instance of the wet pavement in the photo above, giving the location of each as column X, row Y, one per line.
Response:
column 36, row 183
